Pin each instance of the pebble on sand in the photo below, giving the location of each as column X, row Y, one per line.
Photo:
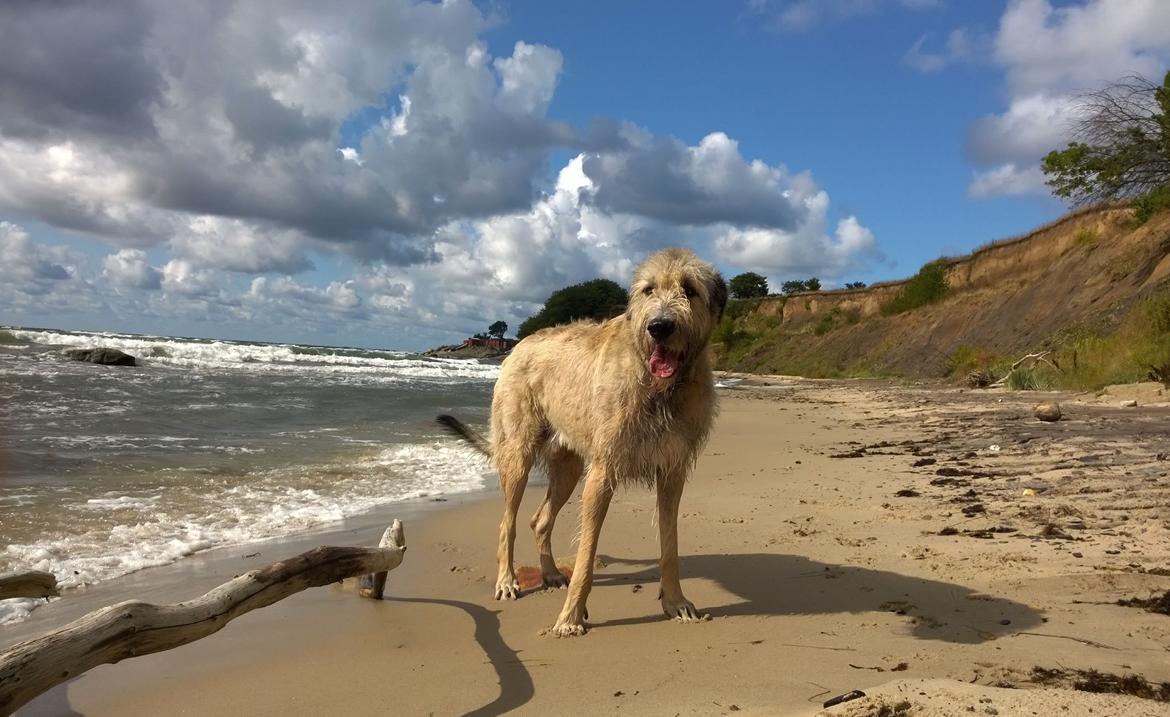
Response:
column 1047, row 411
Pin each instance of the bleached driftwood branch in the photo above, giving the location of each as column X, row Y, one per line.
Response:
column 28, row 585
column 134, row 628
column 1040, row 356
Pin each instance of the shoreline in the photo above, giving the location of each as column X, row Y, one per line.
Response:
column 818, row 578
column 192, row 575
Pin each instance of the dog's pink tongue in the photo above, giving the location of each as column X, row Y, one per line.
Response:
column 663, row 363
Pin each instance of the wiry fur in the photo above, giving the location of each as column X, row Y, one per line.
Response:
column 583, row 394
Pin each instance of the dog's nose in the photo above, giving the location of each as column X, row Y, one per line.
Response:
column 660, row 328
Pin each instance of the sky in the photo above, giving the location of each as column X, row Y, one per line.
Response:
column 400, row 174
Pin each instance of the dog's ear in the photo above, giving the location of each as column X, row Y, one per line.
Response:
column 718, row 296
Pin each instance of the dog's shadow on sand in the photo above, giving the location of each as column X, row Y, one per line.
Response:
column 773, row 584
column 516, row 686
column 770, row 584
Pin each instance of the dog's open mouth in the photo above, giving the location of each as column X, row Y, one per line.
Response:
column 663, row 361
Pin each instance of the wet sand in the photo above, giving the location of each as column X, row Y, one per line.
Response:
column 841, row 534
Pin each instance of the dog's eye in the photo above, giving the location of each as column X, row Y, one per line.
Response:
column 648, row 290
column 690, row 291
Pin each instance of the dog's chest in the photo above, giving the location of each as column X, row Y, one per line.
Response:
column 662, row 439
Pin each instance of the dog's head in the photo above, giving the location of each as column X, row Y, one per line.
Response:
column 676, row 300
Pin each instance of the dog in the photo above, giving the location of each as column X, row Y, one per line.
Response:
column 628, row 400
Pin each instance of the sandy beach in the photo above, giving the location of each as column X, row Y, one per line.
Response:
column 929, row 546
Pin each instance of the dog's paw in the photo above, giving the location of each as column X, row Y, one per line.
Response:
column 567, row 629
column 683, row 610
column 555, row 580
column 508, row 589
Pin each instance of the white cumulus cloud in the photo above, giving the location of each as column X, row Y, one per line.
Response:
column 279, row 163
column 129, row 268
column 1051, row 55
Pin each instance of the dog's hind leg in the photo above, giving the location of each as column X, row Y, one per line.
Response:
column 564, row 470
column 674, row 604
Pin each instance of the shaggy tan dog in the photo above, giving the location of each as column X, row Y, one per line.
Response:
column 631, row 399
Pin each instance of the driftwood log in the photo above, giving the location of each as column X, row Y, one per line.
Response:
column 1039, row 356
column 134, row 628
column 28, row 585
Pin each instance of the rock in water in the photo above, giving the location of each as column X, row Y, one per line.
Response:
column 1047, row 411
column 104, row 356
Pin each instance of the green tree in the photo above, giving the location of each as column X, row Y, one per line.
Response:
column 812, row 284
column 793, row 287
column 596, row 299
column 1121, row 147
column 498, row 329
column 855, row 285
column 748, row 285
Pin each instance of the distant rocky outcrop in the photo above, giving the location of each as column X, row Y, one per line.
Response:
column 104, row 356
column 463, row 351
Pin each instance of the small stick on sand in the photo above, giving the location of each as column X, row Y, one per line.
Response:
column 134, row 628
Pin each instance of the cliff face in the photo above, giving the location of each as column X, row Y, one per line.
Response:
column 1085, row 270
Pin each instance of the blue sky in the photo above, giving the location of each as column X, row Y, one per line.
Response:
column 404, row 173
column 837, row 99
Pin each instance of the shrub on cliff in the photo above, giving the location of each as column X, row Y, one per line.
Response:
column 926, row 287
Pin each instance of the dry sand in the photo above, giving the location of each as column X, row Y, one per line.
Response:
column 818, row 579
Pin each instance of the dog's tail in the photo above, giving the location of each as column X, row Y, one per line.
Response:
column 459, row 429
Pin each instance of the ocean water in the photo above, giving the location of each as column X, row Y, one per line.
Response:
column 105, row 470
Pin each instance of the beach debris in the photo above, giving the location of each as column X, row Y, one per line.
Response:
column 1101, row 682
column 1130, row 403
column 924, row 462
column 531, row 578
column 373, row 585
column 900, row 667
column 134, row 628
column 35, row 584
column 1029, row 492
column 841, row 699
column 980, row 378
column 1158, row 603
column 1053, row 531
column 1035, row 358
column 103, row 356
column 1048, row 412
column 907, row 493
column 988, row 533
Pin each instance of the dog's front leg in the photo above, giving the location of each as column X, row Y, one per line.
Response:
column 594, row 505
column 674, row 604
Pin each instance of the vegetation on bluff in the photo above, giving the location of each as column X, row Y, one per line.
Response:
column 1086, row 298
